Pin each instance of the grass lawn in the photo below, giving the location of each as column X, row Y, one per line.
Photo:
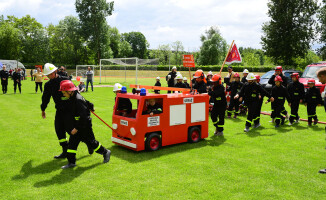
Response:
column 266, row 163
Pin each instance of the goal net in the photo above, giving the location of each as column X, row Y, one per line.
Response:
column 81, row 71
column 127, row 70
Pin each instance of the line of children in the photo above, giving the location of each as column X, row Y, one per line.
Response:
column 312, row 100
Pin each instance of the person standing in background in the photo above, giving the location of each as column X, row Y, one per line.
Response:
column 89, row 75
column 4, row 75
column 16, row 76
column 38, row 80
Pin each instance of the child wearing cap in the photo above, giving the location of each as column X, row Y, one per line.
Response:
column 209, row 78
column 312, row 99
column 186, row 82
column 296, row 92
column 234, row 88
column 200, row 82
column 250, row 94
column 279, row 93
column 82, row 124
column 179, row 83
column 124, row 104
column 158, row 84
column 171, row 76
column 245, row 74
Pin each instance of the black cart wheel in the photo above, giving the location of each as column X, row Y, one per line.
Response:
column 153, row 142
column 194, row 134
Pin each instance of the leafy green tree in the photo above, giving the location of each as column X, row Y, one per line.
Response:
column 321, row 29
column 125, row 49
column 164, row 53
column 94, row 28
column 138, row 43
column 10, row 42
column 290, row 31
column 114, row 41
column 214, row 47
column 178, row 48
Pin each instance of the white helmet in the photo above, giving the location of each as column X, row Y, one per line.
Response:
column 184, row 78
column 251, row 77
column 49, row 68
column 174, row 67
column 210, row 73
column 246, row 71
column 117, row 87
column 179, row 76
column 158, row 78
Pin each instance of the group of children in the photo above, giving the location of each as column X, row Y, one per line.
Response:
column 250, row 93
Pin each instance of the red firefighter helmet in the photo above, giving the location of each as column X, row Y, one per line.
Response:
column 236, row 75
column 295, row 75
column 257, row 78
column 278, row 78
column 312, row 81
column 278, row 68
column 216, row 78
column 199, row 73
column 67, row 85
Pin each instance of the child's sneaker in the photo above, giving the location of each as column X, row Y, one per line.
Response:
column 297, row 121
column 247, row 129
column 277, row 125
column 272, row 121
column 309, row 124
column 220, row 133
column 315, row 121
column 235, row 116
column 229, row 116
column 290, row 124
column 257, row 125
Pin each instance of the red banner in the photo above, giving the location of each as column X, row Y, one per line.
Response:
column 233, row 56
column 188, row 61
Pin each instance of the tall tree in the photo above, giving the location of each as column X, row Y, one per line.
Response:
column 290, row 31
column 138, row 43
column 214, row 47
column 10, row 42
column 92, row 14
column 321, row 30
column 114, row 41
column 177, row 48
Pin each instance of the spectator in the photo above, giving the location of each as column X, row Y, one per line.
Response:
column 62, row 71
column 32, row 77
column 16, row 76
column 38, row 80
column 89, row 75
column 81, row 87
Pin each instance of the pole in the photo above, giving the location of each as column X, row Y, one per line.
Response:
column 136, row 70
column 100, row 70
column 104, row 122
column 190, row 80
column 226, row 57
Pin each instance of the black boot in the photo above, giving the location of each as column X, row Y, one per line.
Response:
column 107, row 156
column 63, row 154
column 69, row 165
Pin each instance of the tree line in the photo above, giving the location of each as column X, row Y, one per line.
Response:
column 84, row 39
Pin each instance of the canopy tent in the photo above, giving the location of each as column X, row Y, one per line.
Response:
column 12, row 64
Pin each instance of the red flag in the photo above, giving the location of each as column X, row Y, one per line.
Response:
column 233, row 56
column 188, row 61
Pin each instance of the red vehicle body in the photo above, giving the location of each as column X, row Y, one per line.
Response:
column 310, row 73
column 184, row 119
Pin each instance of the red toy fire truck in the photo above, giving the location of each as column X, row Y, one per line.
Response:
column 184, row 118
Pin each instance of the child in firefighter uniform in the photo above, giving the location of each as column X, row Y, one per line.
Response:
column 217, row 93
column 261, row 100
column 158, row 84
column 185, row 81
column 245, row 74
column 200, row 82
column 250, row 93
column 82, row 122
column 235, row 87
column 296, row 92
column 153, row 108
column 179, row 83
column 124, row 104
column 279, row 93
column 312, row 99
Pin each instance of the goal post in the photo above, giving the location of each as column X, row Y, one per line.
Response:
column 119, row 69
column 81, row 71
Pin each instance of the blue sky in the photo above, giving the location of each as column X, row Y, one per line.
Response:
column 163, row 21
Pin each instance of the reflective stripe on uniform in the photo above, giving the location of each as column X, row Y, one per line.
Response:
column 280, row 98
column 215, row 122
column 218, row 98
column 293, row 116
column 277, row 118
column 63, row 140
column 159, row 109
column 220, row 126
column 64, row 98
column 230, row 111
column 249, row 121
column 77, row 118
column 71, row 151
column 99, row 145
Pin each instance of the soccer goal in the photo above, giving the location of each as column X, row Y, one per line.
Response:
column 126, row 69
column 81, row 71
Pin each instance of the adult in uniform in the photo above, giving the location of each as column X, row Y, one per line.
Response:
column 16, row 77
column 321, row 74
column 4, row 74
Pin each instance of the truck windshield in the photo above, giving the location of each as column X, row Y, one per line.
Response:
column 268, row 75
column 126, row 107
column 310, row 72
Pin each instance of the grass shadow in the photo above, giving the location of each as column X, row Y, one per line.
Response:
column 256, row 132
column 28, row 169
column 136, row 157
column 65, row 176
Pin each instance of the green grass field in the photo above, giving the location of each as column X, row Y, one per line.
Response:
column 266, row 163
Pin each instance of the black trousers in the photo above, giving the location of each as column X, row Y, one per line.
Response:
column 63, row 124
column 38, row 84
column 4, row 84
column 294, row 111
column 253, row 110
column 89, row 81
column 86, row 135
column 234, row 103
column 279, row 111
column 257, row 118
column 19, row 86
column 283, row 112
column 311, row 110
column 218, row 112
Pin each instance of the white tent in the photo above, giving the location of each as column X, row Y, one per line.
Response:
column 12, row 64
